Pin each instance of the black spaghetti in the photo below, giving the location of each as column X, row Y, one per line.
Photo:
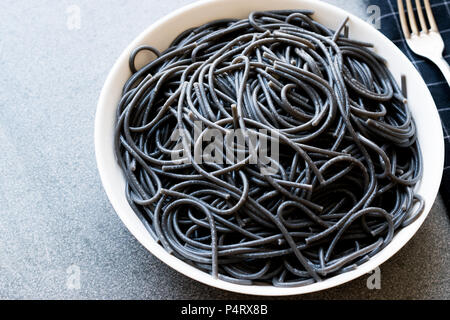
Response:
column 348, row 160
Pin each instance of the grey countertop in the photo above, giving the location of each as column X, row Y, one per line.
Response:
column 56, row 223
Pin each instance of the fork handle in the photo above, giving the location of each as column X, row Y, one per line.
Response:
column 443, row 65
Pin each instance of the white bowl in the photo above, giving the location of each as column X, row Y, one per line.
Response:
column 161, row 33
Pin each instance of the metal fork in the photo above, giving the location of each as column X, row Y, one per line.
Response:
column 427, row 43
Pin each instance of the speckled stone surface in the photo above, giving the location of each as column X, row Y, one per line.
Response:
column 54, row 213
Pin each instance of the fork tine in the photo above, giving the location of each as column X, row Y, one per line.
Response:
column 404, row 23
column 412, row 18
column 430, row 15
column 423, row 23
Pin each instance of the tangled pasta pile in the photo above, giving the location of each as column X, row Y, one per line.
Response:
column 347, row 158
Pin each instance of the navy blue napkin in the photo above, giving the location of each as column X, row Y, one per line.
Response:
column 390, row 26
